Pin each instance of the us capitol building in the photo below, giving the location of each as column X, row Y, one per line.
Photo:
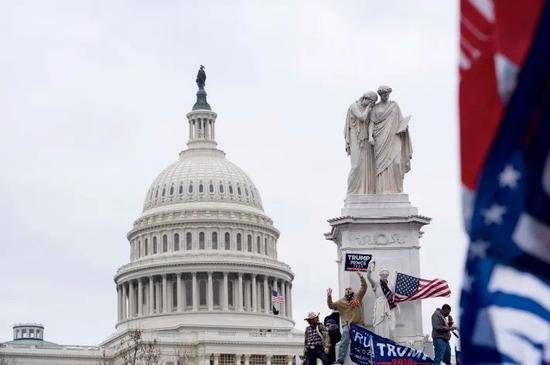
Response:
column 203, row 265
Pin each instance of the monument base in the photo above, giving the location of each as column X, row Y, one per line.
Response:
column 387, row 227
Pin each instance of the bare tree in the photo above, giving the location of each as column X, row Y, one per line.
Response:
column 133, row 350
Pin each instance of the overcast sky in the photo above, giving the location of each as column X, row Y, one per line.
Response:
column 93, row 99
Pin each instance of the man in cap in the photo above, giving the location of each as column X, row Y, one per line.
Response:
column 351, row 312
column 316, row 340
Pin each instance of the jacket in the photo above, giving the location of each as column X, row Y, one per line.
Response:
column 348, row 313
column 321, row 331
column 439, row 326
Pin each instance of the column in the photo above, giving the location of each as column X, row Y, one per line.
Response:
column 140, row 298
column 179, row 293
column 238, row 359
column 246, row 359
column 123, row 300
column 131, row 299
column 281, row 291
column 195, row 292
column 225, row 300
column 254, row 294
column 240, row 293
column 267, row 308
column 290, row 300
column 216, row 359
column 164, row 294
column 289, row 359
column 150, row 300
column 119, row 302
column 210, row 292
column 158, row 306
column 268, row 359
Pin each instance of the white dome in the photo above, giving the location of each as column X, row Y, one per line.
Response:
column 202, row 175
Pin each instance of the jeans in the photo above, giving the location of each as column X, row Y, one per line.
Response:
column 442, row 351
column 317, row 353
column 343, row 345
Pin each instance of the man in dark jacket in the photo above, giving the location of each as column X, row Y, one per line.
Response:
column 316, row 341
column 441, row 334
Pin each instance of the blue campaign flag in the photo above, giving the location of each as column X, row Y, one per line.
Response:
column 368, row 348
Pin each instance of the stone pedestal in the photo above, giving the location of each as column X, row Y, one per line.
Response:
column 388, row 227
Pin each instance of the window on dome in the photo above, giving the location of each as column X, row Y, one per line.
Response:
column 157, row 193
column 189, row 241
column 265, row 244
column 216, row 292
column 230, row 189
column 214, row 240
column 221, row 188
column 239, row 243
column 146, row 247
column 154, row 245
column 202, row 292
column 165, row 243
column 246, row 191
column 211, row 188
column 201, row 188
column 171, row 190
column 176, row 242
column 258, row 245
column 201, row 241
column 227, row 241
column 252, row 192
column 139, row 248
column 190, row 188
column 188, row 293
column 174, row 296
column 249, row 243
column 239, row 190
column 163, row 191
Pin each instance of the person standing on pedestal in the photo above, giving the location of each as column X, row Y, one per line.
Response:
column 351, row 312
column 441, row 334
column 316, row 341
column 362, row 173
column 385, row 308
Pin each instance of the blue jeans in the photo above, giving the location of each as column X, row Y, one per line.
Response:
column 317, row 353
column 442, row 351
column 343, row 345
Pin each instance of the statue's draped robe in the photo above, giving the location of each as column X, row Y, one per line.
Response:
column 392, row 147
column 361, row 175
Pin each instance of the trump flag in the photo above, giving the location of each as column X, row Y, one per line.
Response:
column 367, row 348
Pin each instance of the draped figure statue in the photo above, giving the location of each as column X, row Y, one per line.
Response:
column 392, row 144
column 361, row 177
column 385, row 308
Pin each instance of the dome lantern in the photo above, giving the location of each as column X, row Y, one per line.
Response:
column 202, row 119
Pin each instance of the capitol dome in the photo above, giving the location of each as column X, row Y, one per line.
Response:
column 203, row 255
column 202, row 175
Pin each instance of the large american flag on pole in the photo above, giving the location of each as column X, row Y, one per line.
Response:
column 505, row 172
column 409, row 288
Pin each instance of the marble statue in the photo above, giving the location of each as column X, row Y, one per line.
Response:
column 392, row 144
column 384, row 306
column 361, row 179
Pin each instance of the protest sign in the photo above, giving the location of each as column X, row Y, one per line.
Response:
column 368, row 348
column 357, row 262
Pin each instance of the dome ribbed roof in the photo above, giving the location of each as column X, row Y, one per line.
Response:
column 202, row 176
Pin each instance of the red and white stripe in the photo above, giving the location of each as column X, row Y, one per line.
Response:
column 427, row 289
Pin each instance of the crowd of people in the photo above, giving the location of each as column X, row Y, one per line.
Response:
column 321, row 339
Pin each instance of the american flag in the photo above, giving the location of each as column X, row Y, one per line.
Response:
column 505, row 168
column 409, row 288
column 276, row 297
